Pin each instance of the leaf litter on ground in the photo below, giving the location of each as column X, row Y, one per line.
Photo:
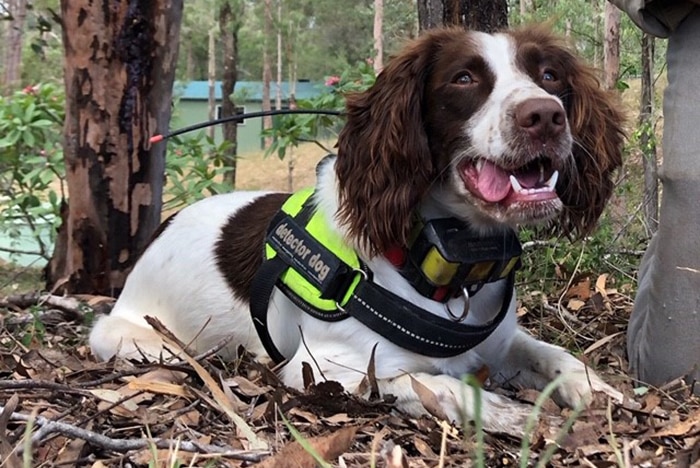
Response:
column 201, row 411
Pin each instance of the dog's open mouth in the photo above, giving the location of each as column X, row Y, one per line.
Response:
column 531, row 182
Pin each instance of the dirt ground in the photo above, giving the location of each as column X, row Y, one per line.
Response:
column 62, row 408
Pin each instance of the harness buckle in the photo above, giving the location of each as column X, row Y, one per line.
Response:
column 348, row 285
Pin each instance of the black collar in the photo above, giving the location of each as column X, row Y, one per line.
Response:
column 448, row 257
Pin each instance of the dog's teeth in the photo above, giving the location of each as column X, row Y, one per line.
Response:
column 516, row 185
column 479, row 165
column 552, row 182
column 541, row 174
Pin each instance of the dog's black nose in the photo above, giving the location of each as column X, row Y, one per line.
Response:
column 541, row 118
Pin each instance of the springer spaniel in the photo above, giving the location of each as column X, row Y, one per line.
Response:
column 484, row 131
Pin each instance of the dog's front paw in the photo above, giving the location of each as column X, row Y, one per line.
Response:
column 579, row 387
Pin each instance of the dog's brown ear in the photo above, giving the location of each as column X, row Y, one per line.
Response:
column 384, row 164
column 596, row 122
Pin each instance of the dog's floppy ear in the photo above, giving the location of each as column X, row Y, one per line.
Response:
column 597, row 128
column 384, row 164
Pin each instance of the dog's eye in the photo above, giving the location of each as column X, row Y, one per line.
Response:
column 549, row 75
column 464, row 78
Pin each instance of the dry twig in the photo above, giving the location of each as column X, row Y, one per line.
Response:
column 47, row 427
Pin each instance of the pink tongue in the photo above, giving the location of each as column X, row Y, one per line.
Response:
column 494, row 183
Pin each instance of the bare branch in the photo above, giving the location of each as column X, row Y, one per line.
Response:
column 47, row 427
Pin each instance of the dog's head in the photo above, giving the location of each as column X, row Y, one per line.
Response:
column 510, row 128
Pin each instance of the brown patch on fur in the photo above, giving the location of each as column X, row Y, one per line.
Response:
column 239, row 250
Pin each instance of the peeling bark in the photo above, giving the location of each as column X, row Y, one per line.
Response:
column 120, row 61
column 479, row 15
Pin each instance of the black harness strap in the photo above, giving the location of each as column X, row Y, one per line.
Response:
column 264, row 283
column 416, row 329
column 260, row 293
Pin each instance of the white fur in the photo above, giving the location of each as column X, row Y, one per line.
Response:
column 177, row 281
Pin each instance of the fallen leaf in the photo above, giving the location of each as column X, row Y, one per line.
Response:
column 428, row 399
column 340, row 418
column 113, row 396
column 190, row 418
column 329, row 447
column 687, row 427
column 245, row 387
column 162, row 388
column 575, row 304
column 580, row 290
column 305, row 415
column 600, row 285
column 423, row 447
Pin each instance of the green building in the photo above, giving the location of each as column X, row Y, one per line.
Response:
column 192, row 106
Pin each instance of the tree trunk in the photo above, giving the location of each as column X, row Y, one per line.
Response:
column 189, row 67
column 211, row 75
column 278, row 95
column 267, row 69
column 480, row 15
column 120, row 63
column 13, row 44
column 647, row 141
column 378, row 35
column 611, row 46
column 291, row 156
column 229, row 24
column 525, row 8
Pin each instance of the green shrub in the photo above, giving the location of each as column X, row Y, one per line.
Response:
column 31, row 164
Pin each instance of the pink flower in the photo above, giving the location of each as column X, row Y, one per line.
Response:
column 332, row 80
column 31, row 89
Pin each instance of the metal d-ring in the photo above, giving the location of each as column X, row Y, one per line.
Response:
column 460, row 318
column 364, row 276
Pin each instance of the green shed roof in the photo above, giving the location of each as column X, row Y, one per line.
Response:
column 251, row 91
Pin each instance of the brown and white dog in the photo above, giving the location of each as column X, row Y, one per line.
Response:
column 495, row 130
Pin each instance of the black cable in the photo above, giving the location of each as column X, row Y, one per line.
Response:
column 237, row 117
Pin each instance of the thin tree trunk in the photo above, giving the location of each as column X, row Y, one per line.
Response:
column 378, row 35
column 278, row 96
column 211, row 74
column 611, row 46
column 647, row 141
column 267, row 69
column 13, row 44
column 596, row 32
column 525, row 8
column 480, row 15
column 119, row 70
column 292, row 65
column 229, row 25
column 291, row 152
column 189, row 69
